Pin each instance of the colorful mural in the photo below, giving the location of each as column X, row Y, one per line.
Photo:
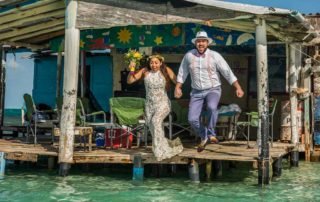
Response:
column 223, row 37
column 153, row 35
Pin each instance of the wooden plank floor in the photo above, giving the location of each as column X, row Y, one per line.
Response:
column 230, row 151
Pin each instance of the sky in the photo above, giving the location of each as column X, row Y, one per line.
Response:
column 303, row 6
column 19, row 79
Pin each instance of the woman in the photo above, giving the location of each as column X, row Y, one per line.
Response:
column 157, row 77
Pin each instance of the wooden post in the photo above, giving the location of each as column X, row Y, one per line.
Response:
column 59, row 68
column 2, row 85
column 82, row 75
column 217, row 167
column 208, row 169
column 51, row 162
column 2, row 165
column 306, row 72
column 277, row 167
column 293, row 80
column 194, row 171
column 70, row 84
column 262, row 87
column 173, row 169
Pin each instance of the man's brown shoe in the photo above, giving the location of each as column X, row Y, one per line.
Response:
column 202, row 145
column 213, row 140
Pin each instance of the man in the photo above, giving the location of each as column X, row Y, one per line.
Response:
column 204, row 67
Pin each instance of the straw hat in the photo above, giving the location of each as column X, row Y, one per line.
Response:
column 202, row 35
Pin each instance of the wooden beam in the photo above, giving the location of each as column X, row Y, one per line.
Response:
column 27, row 45
column 234, row 27
column 30, row 29
column 277, row 34
column 27, row 7
column 33, row 34
column 28, row 20
column 44, row 37
column 32, row 12
column 242, row 17
column 242, row 23
column 22, row 156
column 5, row 3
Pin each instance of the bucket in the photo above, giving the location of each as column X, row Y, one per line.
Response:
column 100, row 139
column 285, row 132
column 285, row 113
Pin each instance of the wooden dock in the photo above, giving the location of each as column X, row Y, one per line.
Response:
column 15, row 149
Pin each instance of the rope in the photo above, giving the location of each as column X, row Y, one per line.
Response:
column 305, row 54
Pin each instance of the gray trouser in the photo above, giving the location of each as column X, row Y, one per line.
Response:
column 198, row 98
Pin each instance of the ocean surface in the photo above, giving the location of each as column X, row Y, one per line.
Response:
column 27, row 183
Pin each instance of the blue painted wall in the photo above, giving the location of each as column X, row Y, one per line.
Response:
column 100, row 79
column 44, row 83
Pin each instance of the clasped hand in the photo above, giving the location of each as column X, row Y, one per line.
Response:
column 177, row 92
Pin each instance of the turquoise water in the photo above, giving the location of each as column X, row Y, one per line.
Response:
column 236, row 184
column 12, row 117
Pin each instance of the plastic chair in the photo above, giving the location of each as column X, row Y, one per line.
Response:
column 83, row 116
column 179, row 110
column 35, row 118
column 252, row 121
column 128, row 112
column 89, row 118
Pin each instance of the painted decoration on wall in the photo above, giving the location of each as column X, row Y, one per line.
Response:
column 223, row 37
column 146, row 35
column 169, row 35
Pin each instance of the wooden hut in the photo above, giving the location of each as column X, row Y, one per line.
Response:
column 33, row 24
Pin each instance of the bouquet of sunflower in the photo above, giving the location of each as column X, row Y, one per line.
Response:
column 133, row 56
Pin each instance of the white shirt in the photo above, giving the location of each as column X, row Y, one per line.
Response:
column 204, row 69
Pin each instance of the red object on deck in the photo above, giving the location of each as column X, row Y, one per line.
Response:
column 118, row 138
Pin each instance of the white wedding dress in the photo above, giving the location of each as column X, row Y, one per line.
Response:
column 157, row 109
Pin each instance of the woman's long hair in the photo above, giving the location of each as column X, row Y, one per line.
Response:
column 163, row 69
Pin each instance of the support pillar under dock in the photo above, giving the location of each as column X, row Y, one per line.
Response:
column 294, row 158
column 194, row 171
column 64, row 169
column 263, row 100
column 2, row 165
column 51, row 162
column 217, row 167
column 208, row 170
column 277, row 167
column 138, row 168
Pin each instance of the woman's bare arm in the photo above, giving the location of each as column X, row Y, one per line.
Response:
column 172, row 75
column 135, row 77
